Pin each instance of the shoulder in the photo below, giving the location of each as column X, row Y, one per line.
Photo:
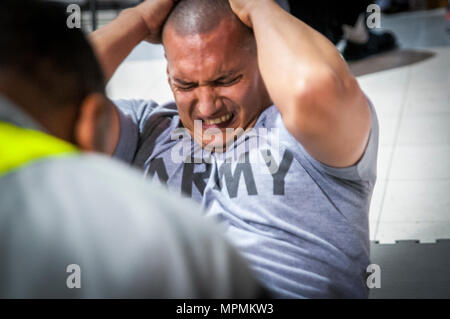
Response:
column 141, row 109
column 363, row 170
column 142, row 120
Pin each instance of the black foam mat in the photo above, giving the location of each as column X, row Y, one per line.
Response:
column 410, row 269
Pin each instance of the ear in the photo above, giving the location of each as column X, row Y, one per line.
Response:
column 86, row 125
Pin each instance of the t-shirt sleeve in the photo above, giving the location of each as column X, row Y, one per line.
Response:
column 366, row 168
column 133, row 115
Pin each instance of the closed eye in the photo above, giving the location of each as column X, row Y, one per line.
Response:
column 228, row 82
column 186, row 88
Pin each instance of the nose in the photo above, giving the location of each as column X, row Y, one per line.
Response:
column 207, row 102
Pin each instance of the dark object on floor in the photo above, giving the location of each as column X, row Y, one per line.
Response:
column 389, row 60
column 410, row 269
column 328, row 17
column 377, row 43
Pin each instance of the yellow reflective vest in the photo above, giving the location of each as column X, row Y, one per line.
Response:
column 19, row 147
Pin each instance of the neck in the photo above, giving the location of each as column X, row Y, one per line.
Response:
column 57, row 121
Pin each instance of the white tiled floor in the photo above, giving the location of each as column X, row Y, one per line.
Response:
column 412, row 197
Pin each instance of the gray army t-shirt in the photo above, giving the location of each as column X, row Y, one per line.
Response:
column 302, row 225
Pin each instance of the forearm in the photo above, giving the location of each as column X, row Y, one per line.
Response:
column 114, row 42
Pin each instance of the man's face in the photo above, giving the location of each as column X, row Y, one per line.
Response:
column 215, row 78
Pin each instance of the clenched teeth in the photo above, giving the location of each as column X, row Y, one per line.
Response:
column 218, row 120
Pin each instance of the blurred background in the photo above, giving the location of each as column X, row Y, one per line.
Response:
column 409, row 87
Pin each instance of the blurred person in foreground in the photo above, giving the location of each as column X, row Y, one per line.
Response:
column 268, row 130
column 60, row 206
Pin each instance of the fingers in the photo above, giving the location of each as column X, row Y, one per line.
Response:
column 241, row 9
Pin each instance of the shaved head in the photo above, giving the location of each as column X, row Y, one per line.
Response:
column 191, row 17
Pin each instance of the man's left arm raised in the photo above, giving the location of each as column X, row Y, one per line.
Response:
column 319, row 99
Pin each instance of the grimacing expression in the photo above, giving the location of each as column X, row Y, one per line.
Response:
column 215, row 78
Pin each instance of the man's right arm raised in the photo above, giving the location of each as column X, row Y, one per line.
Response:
column 114, row 42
